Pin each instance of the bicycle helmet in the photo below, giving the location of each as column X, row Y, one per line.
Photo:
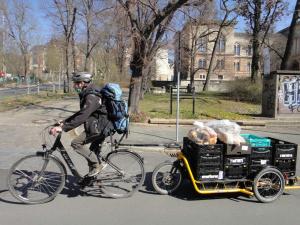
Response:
column 82, row 76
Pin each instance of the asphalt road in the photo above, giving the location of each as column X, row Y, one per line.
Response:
column 4, row 92
column 19, row 135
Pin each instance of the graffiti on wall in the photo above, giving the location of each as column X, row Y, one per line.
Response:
column 289, row 94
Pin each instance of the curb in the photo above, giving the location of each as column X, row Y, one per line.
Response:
column 190, row 122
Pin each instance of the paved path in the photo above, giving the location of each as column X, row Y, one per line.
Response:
column 19, row 135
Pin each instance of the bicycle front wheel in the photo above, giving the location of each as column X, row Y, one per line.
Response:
column 122, row 175
column 35, row 179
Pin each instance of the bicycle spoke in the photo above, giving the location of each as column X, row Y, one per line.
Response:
column 31, row 185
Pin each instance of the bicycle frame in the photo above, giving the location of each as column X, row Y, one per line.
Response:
column 59, row 146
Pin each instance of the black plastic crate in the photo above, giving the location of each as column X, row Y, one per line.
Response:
column 235, row 171
column 202, row 155
column 208, row 173
column 232, row 149
column 261, row 153
column 191, row 148
column 235, row 160
column 256, row 165
column 283, row 149
column 287, row 166
column 210, row 159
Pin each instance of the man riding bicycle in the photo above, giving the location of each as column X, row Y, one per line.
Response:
column 93, row 115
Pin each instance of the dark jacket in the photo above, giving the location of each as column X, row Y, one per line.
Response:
column 92, row 114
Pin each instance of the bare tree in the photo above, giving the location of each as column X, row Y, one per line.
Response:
column 63, row 14
column 19, row 25
column 149, row 21
column 92, row 14
column 226, row 21
column 260, row 15
column 196, row 32
column 289, row 44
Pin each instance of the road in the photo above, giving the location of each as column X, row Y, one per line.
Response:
column 5, row 92
column 19, row 136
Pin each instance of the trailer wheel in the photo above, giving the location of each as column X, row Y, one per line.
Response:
column 167, row 177
column 268, row 185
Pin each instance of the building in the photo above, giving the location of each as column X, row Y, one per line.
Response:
column 195, row 45
column 37, row 62
column 161, row 69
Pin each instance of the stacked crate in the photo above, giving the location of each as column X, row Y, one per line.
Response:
column 206, row 161
column 261, row 153
column 284, row 156
column 236, row 160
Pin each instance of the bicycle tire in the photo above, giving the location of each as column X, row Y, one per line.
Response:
column 122, row 175
column 268, row 185
column 166, row 178
column 25, row 179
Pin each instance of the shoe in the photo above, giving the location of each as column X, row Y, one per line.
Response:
column 94, row 169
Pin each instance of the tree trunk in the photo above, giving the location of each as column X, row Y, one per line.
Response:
column 73, row 53
column 289, row 44
column 255, row 42
column 192, row 72
column 210, row 67
column 67, row 86
column 134, row 93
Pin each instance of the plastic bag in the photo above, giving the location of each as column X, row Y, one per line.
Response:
column 202, row 134
column 228, row 132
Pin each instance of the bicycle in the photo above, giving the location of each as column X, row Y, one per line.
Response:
column 40, row 177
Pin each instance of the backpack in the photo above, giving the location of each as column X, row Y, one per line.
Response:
column 116, row 107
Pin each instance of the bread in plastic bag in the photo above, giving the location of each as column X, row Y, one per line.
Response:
column 227, row 131
column 202, row 134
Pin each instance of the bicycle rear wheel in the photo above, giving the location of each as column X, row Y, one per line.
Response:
column 34, row 179
column 122, row 175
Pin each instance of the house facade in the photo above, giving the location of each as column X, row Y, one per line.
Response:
column 193, row 50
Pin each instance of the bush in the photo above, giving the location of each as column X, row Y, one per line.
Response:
column 245, row 90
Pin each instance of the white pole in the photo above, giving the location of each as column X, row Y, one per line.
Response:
column 177, row 109
column 178, row 86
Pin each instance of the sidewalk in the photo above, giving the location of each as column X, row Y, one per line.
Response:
column 255, row 122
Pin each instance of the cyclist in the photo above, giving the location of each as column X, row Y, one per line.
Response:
column 93, row 115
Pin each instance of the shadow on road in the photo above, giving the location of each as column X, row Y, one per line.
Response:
column 36, row 106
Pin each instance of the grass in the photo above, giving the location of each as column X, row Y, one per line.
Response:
column 207, row 106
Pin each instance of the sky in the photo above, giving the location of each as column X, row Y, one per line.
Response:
column 46, row 31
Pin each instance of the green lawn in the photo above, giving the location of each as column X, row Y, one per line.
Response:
column 209, row 105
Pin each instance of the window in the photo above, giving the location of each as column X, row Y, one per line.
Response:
column 237, row 49
column 220, row 77
column 203, row 44
column 202, row 77
column 202, row 64
column 236, row 66
column 249, row 50
column 221, row 44
column 248, row 67
column 220, row 64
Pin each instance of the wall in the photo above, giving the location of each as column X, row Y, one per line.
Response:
column 289, row 94
column 281, row 94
